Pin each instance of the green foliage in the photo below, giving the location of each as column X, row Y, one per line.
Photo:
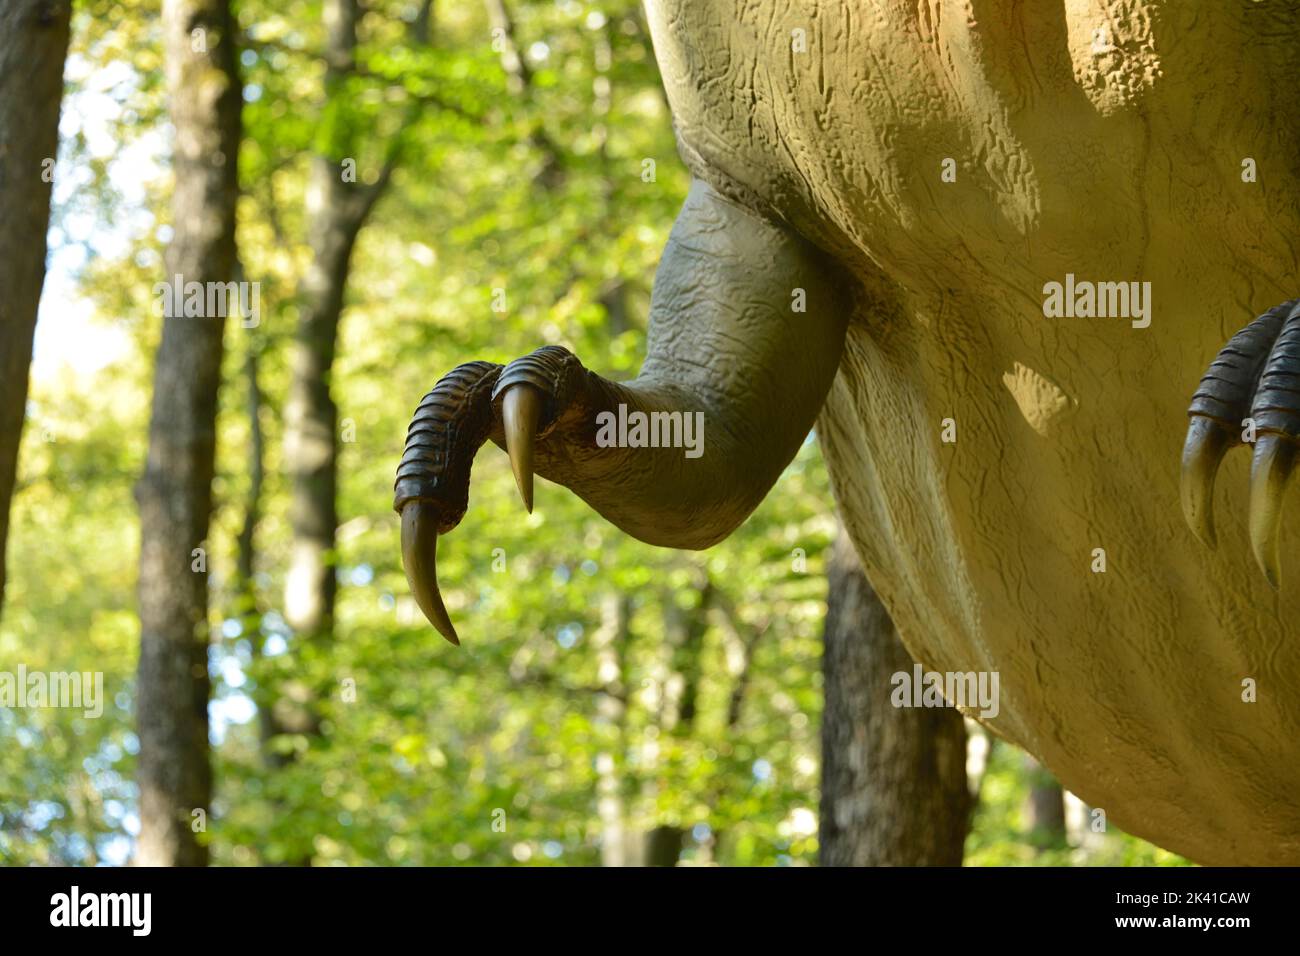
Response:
column 999, row 836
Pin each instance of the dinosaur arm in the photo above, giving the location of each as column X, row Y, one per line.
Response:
column 731, row 359
column 747, row 326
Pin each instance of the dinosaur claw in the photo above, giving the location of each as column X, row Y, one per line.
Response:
column 1270, row 472
column 1254, row 380
column 1207, row 442
column 420, row 559
column 521, row 407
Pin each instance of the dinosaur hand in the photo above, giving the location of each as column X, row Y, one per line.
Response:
column 1255, row 377
column 516, row 406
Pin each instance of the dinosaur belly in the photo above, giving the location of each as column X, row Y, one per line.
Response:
column 960, row 159
column 1015, row 503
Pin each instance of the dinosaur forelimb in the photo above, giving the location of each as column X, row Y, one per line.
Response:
column 746, row 330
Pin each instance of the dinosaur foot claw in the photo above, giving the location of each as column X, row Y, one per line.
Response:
column 1250, row 394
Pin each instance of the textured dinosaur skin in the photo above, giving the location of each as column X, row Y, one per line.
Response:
column 1100, row 139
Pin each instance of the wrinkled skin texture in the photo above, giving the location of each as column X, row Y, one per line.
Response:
column 1114, row 155
column 1119, row 166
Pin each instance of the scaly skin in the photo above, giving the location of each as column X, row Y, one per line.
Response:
column 1114, row 160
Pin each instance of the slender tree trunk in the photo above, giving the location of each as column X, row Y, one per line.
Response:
column 663, row 845
column 338, row 205
column 745, row 639
column 519, row 80
column 609, row 644
column 249, row 607
column 613, row 297
column 250, row 613
column 421, row 30
column 1044, row 807
column 33, row 46
column 337, row 209
column 893, row 779
column 684, row 630
column 311, row 417
column 175, row 494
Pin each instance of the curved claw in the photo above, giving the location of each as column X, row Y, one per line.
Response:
column 521, row 407
column 1270, row 472
column 420, row 559
column 1207, row 442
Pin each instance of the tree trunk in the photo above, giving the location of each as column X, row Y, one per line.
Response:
column 336, row 211
column 33, row 46
column 175, row 494
column 337, row 208
column 609, row 645
column 311, row 417
column 744, row 639
column 1044, row 807
column 663, row 845
column 519, row 81
column 893, row 779
column 684, row 631
column 248, row 607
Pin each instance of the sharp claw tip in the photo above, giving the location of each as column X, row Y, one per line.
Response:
column 1268, row 564
column 1270, row 474
column 436, row 614
column 419, row 558
column 1200, row 524
column 520, row 409
column 1203, row 451
column 525, row 491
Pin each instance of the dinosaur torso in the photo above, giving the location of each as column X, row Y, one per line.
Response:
column 956, row 158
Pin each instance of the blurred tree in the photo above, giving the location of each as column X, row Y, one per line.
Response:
column 175, row 493
column 894, row 789
column 33, row 45
column 520, row 84
column 1044, row 807
column 339, row 200
column 247, row 605
column 338, row 204
column 685, row 625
